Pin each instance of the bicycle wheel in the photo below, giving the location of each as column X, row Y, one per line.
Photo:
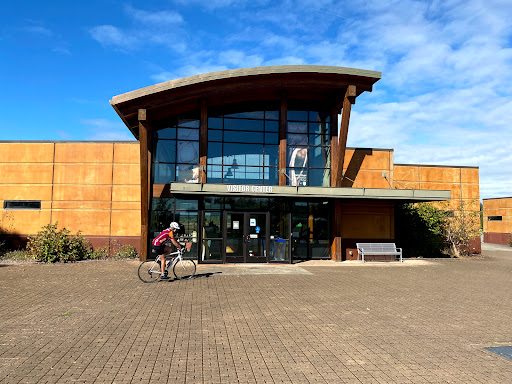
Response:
column 184, row 269
column 149, row 271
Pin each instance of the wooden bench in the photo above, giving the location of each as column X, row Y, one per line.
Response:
column 378, row 249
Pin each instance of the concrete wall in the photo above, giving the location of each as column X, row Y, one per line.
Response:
column 92, row 187
column 498, row 232
column 366, row 166
column 463, row 182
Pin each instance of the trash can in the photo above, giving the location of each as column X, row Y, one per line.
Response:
column 278, row 249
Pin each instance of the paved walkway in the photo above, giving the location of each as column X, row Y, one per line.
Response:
column 416, row 322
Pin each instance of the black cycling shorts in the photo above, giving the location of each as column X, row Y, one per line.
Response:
column 157, row 249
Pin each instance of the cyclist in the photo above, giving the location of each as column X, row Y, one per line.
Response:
column 157, row 246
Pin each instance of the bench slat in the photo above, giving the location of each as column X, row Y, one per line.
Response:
column 377, row 249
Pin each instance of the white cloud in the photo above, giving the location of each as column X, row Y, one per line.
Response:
column 158, row 17
column 213, row 4
column 158, row 28
column 239, row 59
column 106, row 130
column 110, row 35
column 39, row 30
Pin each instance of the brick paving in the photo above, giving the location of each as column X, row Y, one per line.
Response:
column 416, row 322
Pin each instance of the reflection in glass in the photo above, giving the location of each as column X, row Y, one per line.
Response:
column 215, row 123
column 297, row 139
column 271, row 176
column 214, row 173
column 319, row 157
column 272, row 115
column 212, row 250
column 214, row 135
column 189, row 123
column 243, row 125
column 166, row 133
column 187, row 173
column 247, row 115
column 319, row 177
column 188, row 152
column 243, row 137
column 186, row 204
column 271, row 126
column 322, row 128
column 214, row 153
column 319, row 140
column 162, row 204
column 212, row 202
column 245, row 154
column 272, row 155
column 297, row 115
column 165, row 151
column 319, row 116
column 271, row 138
column 188, row 134
column 294, row 127
column 164, row 173
column 212, row 225
column 187, row 221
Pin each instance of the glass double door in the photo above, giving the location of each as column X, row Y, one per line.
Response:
column 246, row 237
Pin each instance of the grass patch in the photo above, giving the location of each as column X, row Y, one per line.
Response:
column 67, row 314
column 17, row 255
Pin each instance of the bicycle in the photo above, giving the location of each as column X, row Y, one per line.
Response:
column 183, row 269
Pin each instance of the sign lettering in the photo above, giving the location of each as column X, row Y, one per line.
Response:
column 249, row 188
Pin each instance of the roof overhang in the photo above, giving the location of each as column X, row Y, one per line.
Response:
column 324, row 84
column 408, row 195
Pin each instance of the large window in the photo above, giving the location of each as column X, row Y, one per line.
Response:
column 176, row 150
column 184, row 211
column 243, row 148
column 309, row 153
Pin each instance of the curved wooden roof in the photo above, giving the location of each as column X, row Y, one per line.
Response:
column 323, row 84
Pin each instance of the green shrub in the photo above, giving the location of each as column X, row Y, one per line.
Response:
column 51, row 245
column 114, row 250
column 419, row 230
column 17, row 255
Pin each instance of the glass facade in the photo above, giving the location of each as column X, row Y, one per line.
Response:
column 243, row 148
column 309, row 148
column 176, row 150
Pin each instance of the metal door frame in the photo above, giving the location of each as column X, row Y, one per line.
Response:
column 246, row 215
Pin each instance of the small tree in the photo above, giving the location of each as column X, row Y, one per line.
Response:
column 461, row 228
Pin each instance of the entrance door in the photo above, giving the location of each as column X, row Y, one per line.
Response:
column 246, row 237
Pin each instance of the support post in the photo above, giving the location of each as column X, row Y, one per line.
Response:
column 336, row 246
column 145, row 135
column 349, row 99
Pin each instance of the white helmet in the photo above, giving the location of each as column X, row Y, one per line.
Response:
column 174, row 225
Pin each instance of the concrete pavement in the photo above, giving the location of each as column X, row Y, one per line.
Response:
column 423, row 321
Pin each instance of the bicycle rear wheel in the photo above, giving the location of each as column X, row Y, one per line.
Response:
column 184, row 269
column 149, row 271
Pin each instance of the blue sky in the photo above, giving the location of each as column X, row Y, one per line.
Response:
column 445, row 96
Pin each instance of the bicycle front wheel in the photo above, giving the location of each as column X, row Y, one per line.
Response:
column 184, row 269
column 149, row 271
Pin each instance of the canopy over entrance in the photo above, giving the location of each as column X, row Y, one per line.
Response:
column 409, row 195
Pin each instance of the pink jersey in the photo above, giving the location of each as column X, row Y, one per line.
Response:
column 164, row 235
